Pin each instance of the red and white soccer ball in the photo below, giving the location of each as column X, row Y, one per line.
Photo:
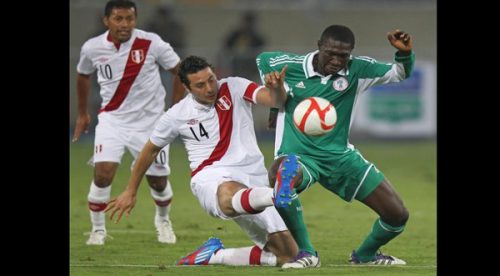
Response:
column 315, row 116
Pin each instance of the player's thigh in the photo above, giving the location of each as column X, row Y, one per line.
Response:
column 136, row 141
column 352, row 177
column 259, row 226
column 108, row 144
column 205, row 184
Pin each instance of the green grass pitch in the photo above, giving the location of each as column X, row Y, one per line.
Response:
column 336, row 227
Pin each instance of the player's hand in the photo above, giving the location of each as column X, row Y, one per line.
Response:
column 400, row 40
column 124, row 203
column 82, row 125
column 275, row 80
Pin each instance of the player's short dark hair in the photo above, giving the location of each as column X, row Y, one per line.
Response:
column 338, row 32
column 113, row 4
column 191, row 65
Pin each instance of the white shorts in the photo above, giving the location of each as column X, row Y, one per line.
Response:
column 110, row 143
column 257, row 226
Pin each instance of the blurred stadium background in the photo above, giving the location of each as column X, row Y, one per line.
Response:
column 295, row 26
column 395, row 127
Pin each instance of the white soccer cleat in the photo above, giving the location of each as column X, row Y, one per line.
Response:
column 303, row 260
column 97, row 237
column 379, row 259
column 165, row 232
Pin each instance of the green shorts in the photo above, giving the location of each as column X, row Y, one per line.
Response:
column 349, row 175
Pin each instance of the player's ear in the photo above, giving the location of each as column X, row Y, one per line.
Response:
column 105, row 21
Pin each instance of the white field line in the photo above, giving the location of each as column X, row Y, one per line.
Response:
column 176, row 266
column 124, row 231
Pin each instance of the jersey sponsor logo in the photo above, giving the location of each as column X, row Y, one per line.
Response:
column 102, row 59
column 192, row 122
column 340, row 84
column 224, row 103
column 300, row 85
column 137, row 56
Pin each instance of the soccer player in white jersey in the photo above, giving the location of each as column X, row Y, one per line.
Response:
column 228, row 175
column 127, row 61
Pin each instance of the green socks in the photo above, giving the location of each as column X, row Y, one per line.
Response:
column 381, row 234
column 292, row 215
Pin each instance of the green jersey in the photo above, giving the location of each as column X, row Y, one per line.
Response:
column 341, row 89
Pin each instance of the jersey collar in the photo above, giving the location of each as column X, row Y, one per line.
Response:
column 107, row 39
column 309, row 72
column 199, row 106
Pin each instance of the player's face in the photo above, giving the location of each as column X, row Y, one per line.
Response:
column 333, row 56
column 120, row 23
column 203, row 85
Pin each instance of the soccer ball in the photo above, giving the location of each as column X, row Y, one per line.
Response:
column 315, row 116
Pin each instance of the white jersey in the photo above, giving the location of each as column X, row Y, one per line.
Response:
column 219, row 135
column 131, row 89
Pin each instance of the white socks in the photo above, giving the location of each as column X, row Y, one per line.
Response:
column 252, row 200
column 162, row 200
column 251, row 255
column 98, row 201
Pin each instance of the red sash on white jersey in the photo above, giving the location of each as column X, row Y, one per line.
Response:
column 224, row 108
column 135, row 61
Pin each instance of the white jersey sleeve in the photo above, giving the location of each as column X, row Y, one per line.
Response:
column 167, row 57
column 166, row 129
column 243, row 88
column 85, row 65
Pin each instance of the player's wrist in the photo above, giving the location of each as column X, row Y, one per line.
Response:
column 131, row 190
column 403, row 53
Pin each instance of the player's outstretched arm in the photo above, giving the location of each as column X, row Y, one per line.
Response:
column 274, row 94
column 83, row 119
column 125, row 202
column 401, row 41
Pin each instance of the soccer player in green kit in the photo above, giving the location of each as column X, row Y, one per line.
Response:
column 333, row 73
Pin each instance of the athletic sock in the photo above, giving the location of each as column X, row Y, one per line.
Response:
column 98, row 201
column 162, row 200
column 252, row 200
column 381, row 234
column 251, row 255
column 294, row 220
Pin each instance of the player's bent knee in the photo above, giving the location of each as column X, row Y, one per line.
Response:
column 274, row 170
column 404, row 216
column 225, row 193
column 157, row 183
column 398, row 218
column 103, row 179
column 104, row 173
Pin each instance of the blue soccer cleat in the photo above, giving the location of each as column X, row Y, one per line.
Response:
column 202, row 255
column 286, row 177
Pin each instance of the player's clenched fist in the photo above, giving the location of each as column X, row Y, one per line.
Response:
column 400, row 40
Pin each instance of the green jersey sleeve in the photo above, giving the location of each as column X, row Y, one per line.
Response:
column 271, row 61
column 263, row 61
column 372, row 72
